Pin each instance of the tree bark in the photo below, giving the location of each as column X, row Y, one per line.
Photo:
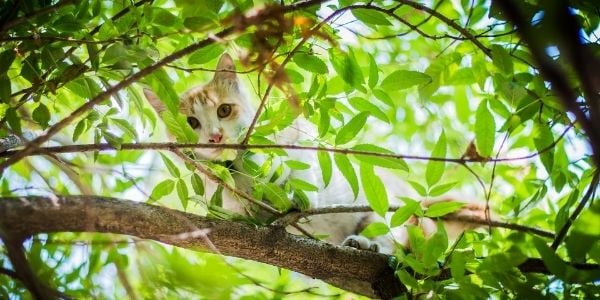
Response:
column 358, row 271
column 362, row 272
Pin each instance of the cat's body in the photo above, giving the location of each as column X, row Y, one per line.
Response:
column 220, row 113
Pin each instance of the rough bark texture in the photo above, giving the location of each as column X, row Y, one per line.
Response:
column 362, row 272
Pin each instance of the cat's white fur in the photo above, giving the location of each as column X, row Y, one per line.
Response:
column 202, row 103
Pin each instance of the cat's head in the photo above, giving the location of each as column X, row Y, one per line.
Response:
column 218, row 111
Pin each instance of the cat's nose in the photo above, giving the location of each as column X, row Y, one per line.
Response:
column 215, row 138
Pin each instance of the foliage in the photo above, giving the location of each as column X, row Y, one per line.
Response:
column 446, row 95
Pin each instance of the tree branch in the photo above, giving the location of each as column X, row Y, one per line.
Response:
column 362, row 272
column 170, row 146
column 348, row 268
column 335, row 209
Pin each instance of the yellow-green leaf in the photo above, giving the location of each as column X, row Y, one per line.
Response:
column 485, row 130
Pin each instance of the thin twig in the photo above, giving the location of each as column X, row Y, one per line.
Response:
column 168, row 146
column 334, row 209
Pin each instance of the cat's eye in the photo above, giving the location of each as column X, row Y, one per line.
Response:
column 224, row 110
column 193, row 122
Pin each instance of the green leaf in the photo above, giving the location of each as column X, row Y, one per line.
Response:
column 543, row 139
column 182, row 193
column 402, row 214
column 297, row 165
column 501, row 59
column 407, row 279
column 362, row 104
column 403, row 79
column 162, row 189
column 197, row 184
column 345, row 166
column 6, row 59
column 384, row 162
column 5, row 89
column 310, row 62
column 375, row 229
column 435, row 246
column 552, row 261
column 85, row 88
column 346, row 66
column 303, row 185
column 383, row 97
column 3, row 108
column 373, row 72
column 67, row 23
column 198, row 23
column 114, row 53
column 374, row 189
column 276, row 196
column 30, row 69
column 443, row 208
column 435, row 169
column 416, row 238
column 223, row 173
column 114, row 140
column 324, row 121
column 41, row 115
column 161, row 83
column 216, row 199
column 179, row 127
column 441, row 189
column 14, row 121
column 485, row 130
column 563, row 213
column 206, row 54
column 370, row 16
column 458, row 262
column 294, row 76
column 325, row 164
column 463, row 76
column 420, row 189
column 351, row 129
column 170, row 166
column 126, row 127
column 92, row 50
column 164, row 17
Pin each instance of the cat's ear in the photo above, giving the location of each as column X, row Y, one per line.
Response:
column 225, row 69
column 155, row 102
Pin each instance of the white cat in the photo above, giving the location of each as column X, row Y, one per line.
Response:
column 220, row 113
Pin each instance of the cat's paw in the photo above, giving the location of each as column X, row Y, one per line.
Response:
column 361, row 242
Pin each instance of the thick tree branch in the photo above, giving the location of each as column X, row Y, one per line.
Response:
column 351, row 269
column 362, row 272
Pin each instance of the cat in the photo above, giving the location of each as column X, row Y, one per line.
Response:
column 220, row 112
